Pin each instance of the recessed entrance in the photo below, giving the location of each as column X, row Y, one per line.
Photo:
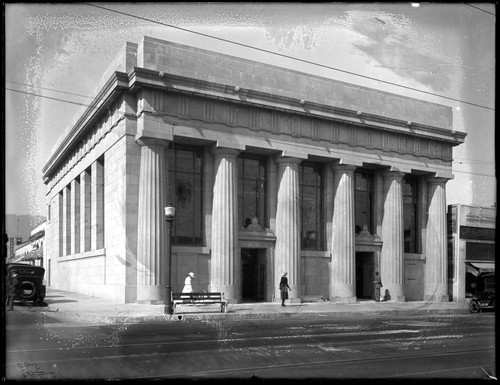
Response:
column 253, row 268
column 365, row 273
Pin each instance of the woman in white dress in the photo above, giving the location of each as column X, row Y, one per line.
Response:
column 188, row 286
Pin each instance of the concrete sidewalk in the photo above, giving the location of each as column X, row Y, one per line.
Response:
column 78, row 308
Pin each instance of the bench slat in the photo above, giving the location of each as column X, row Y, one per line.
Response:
column 199, row 298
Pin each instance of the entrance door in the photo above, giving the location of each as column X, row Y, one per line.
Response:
column 365, row 272
column 253, row 270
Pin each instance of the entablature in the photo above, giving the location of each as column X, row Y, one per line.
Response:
column 140, row 78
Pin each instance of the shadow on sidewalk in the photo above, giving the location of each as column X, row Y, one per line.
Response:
column 51, row 301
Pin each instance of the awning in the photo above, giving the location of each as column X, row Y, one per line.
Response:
column 477, row 268
column 33, row 255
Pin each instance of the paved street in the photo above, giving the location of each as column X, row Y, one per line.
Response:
column 43, row 345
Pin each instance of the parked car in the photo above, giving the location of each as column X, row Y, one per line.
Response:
column 31, row 280
column 484, row 296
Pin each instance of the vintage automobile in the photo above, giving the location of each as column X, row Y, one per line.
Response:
column 484, row 296
column 31, row 280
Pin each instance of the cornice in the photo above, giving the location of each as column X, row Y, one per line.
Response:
column 138, row 78
column 117, row 83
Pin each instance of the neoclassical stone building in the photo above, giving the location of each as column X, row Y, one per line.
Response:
column 270, row 170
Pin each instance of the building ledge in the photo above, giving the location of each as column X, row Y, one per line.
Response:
column 87, row 254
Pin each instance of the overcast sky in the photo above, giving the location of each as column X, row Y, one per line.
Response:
column 443, row 53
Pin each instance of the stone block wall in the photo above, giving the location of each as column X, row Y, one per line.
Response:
column 107, row 268
column 190, row 259
column 315, row 279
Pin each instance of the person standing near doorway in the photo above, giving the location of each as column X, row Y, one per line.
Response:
column 284, row 288
column 377, row 283
column 188, row 283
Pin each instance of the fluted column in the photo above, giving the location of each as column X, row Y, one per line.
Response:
column 392, row 255
column 343, row 266
column 436, row 261
column 287, row 251
column 225, row 261
column 151, row 241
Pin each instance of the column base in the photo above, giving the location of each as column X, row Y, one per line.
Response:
column 152, row 294
column 392, row 292
column 436, row 293
column 230, row 292
column 152, row 302
column 437, row 298
column 343, row 291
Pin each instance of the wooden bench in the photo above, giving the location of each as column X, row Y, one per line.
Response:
column 199, row 299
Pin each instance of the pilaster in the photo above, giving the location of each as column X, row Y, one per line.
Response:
column 66, row 220
column 85, row 236
column 342, row 268
column 75, row 216
column 97, row 205
column 59, row 230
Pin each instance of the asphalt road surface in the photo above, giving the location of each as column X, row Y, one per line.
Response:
column 39, row 346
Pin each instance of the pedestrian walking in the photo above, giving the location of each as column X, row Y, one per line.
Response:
column 188, row 283
column 14, row 290
column 284, row 288
column 377, row 283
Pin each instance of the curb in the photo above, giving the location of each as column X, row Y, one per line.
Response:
column 186, row 317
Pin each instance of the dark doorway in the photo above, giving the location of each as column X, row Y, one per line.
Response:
column 253, row 275
column 365, row 273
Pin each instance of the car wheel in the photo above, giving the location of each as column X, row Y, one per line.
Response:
column 28, row 291
column 473, row 306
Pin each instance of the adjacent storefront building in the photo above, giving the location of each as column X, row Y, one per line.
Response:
column 471, row 247
column 32, row 251
column 270, row 171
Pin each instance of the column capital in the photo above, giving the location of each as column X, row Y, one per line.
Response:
column 152, row 142
column 343, row 167
column 225, row 152
column 437, row 180
column 393, row 174
column 288, row 160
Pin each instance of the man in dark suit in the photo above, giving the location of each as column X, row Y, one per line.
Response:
column 284, row 288
column 377, row 282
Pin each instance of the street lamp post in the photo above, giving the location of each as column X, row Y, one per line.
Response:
column 169, row 217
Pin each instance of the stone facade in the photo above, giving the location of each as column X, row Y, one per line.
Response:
column 109, row 179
